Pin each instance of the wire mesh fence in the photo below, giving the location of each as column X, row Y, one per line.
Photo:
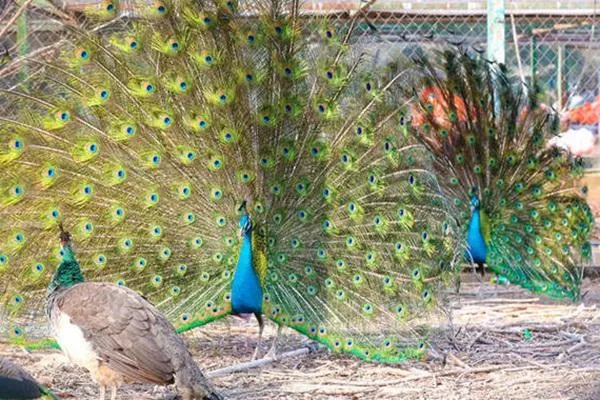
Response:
column 554, row 42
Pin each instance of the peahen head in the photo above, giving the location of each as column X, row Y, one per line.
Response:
column 68, row 272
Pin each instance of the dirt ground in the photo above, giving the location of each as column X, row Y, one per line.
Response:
column 483, row 354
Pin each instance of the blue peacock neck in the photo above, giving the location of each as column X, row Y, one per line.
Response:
column 475, row 238
column 246, row 290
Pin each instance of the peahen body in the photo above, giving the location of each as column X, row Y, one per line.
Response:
column 515, row 197
column 18, row 384
column 219, row 160
column 117, row 335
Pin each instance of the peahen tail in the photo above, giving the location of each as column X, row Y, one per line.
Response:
column 145, row 139
column 489, row 136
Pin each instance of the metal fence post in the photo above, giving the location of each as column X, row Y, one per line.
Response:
column 496, row 43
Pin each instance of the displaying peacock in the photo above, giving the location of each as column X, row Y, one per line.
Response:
column 18, row 384
column 515, row 197
column 219, row 160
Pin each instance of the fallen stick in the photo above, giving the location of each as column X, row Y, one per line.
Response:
column 257, row 363
column 572, row 349
column 507, row 301
column 458, row 361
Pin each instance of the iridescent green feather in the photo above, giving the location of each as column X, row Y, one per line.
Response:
column 487, row 131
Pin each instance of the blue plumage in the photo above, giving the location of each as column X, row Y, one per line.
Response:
column 246, row 291
column 475, row 240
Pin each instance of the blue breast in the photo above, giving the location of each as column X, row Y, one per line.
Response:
column 246, row 292
column 475, row 241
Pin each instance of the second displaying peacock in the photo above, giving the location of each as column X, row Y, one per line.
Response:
column 515, row 197
column 219, row 160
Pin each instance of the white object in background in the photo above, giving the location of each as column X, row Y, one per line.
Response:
column 578, row 141
column 576, row 101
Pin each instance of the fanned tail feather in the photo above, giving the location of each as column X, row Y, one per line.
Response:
column 145, row 142
column 488, row 132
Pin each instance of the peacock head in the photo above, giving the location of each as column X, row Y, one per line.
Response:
column 475, row 203
column 245, row 225
column 245, row 221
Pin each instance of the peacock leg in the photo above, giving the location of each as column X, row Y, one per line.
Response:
column 261, row 327
column 476, row 272
column 272, row 353
column 113, row 392
column 481, row 269
column 102, row 392
column 457, row 284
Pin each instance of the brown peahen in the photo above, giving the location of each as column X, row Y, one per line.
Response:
column 117, row 335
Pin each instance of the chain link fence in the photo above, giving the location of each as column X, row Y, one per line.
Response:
column 555, row 42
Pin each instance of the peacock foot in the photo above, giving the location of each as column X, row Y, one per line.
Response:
column 255, row 355
column 272, row 354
